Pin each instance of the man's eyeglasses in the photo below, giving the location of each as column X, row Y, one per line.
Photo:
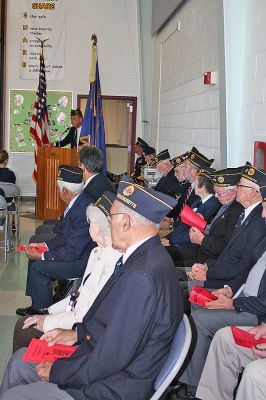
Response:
column 109, row 218
column 249, row 187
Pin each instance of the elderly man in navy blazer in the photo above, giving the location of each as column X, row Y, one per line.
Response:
column 67, row 253
column 125, row 337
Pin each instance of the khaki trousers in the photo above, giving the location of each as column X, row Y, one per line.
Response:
column 224, row 363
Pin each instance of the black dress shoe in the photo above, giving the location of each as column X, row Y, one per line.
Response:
column 31, row 311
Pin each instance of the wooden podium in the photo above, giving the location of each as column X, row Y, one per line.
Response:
column 48, row 203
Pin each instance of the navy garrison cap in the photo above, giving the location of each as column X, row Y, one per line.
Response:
column 149, row 203
column 206, row 172
column 105, row 202
column 198, row 159
column 227, row 176
column 254, row 174
column 163, row 155
column 147, row 151
column 141, row 143
column 178, row 160
column 69, row 173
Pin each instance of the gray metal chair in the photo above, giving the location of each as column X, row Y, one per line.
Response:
column 175, row 359
column 4, row 224
column 12, row 190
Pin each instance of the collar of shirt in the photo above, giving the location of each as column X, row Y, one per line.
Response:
column 78, row 134
column 134, row 247
column 89, row 179
column 206, row 198
column 249, row 209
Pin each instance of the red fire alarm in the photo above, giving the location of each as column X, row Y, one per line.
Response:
column 210, row 78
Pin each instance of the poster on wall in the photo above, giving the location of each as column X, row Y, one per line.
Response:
column 59, row 105
column 42, row 21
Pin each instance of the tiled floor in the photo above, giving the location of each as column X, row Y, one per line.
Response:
column 12, row 285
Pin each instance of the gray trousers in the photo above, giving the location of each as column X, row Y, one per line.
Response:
column 21, row 382
column 226, row 359
column 207, row 323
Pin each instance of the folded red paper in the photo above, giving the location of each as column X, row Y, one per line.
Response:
column 191, row 218
column 38, row 350
column 244, row 338
column 40, row 248
column 200, row 296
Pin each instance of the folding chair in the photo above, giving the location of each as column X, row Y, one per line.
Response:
column 4, row 224
column 12, row 190
column 175, row 359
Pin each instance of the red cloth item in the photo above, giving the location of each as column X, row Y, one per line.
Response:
column 244, row 338
column 38, row 350
column 191, row 218
column 41, row 248
column 201, row 296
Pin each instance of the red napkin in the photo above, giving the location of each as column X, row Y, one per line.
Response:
column 200, row 296
column 38, row 350
column 40, row 248
column 191, row 218
column 244, row 338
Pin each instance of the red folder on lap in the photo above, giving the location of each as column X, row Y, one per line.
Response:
column 40, row 248
column 38, row 350
column 191, row 218
column 244, row 338
column 201, row 296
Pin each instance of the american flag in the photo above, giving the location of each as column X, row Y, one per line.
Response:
column 39, row 127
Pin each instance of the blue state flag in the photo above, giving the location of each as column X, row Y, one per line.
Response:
column 92, row 131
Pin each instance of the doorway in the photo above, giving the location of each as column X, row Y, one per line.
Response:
column 120, row 114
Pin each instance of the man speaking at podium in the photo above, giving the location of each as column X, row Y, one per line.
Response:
column 73, row 135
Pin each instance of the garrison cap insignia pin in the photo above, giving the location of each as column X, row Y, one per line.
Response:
column 128, row 190
column 251, row 171
column 220, row 179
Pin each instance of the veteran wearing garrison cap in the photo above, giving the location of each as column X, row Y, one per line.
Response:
column 68, row 250
column 125, row 337
column 168, row 183
column 140, row 145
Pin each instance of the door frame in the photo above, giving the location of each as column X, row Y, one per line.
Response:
column 132, row 134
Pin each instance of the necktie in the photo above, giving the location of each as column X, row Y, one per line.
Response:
column 240, row 219
column 118, row 265
column 75, row 138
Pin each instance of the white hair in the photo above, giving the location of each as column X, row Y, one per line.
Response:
column 96, row 216
column 139, row 219
column 74, row 188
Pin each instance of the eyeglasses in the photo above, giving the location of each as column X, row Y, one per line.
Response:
column 249, row 187
column 109, row 218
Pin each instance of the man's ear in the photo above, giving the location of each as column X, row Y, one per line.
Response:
column 126, row 223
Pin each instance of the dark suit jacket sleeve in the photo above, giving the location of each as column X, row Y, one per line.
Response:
column 76, row 238
column 116, row 347
column 252, row 304
column 213, row 244
column 67, row 140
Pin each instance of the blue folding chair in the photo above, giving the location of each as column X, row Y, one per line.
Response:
column 175, row 359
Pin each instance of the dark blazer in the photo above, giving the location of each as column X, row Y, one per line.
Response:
column 180, row 234
column 130, row 325
column 99, row 184
column 254, row 304
column 220, row 232
column 72, row 240
column 238, row 256
column 70, row 138
column 168, row 184
column 140, row 162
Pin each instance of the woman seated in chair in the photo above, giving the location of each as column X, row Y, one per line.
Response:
column 100, row 267
column 6, row 175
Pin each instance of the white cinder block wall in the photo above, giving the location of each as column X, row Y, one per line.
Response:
column 185, row 111
column 253, row 110
column 117, row 28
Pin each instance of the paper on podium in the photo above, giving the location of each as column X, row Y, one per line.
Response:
column 40, row 248
column 244, row 338
column 38, row 350
column 200, row 296
column 191, row 218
